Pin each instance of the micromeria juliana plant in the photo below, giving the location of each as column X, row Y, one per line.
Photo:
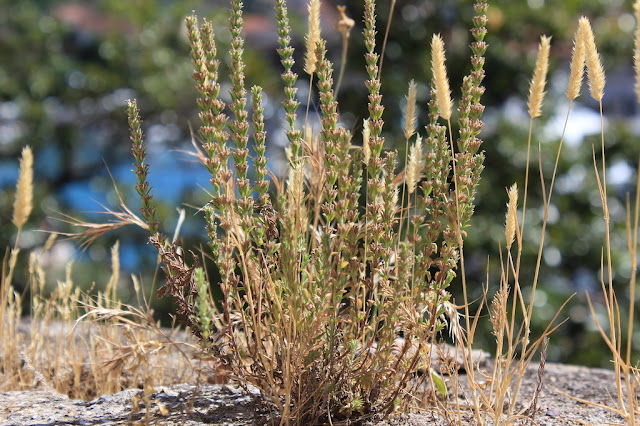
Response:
column 334, row 289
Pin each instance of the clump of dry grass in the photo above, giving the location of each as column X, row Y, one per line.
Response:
column 75, row 344
column 625, row 368
column 327, row 307
column 515, row 347
column 86, row 346
column 496, row 392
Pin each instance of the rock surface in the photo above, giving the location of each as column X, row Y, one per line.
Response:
column 229, row 405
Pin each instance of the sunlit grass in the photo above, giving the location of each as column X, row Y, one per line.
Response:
column 335, row 279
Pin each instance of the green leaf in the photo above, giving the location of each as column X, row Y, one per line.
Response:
column 439, row 383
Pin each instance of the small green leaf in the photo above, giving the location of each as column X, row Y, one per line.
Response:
column 439, row 382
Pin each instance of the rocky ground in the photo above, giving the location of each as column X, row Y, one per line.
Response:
column 229, row 405
column 560, row 402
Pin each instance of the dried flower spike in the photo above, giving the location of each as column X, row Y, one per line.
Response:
column 595, row 71
column 416, row 165
column 312, row 36
column 577, row 64
column 443, row 92
column 410, row 112
column 636, row 49
column 295, row 185
column 539, row 80
column 23, row 203
column 511, row 222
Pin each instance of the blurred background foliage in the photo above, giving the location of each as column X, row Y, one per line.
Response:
column 67, row 67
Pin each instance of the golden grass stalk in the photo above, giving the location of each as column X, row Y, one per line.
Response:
column 636, row 49
column 23, row 203
column 413, row 165
column 410, row 112
column 443, row 92
column 295, row 183
column 112, row 285
column 312, row 37
column 416, row 165
column 632, row 242
column 536, row 96
column 22, row 206
column 296, row 196
column 595, row 71
column 511, row 222
column 577, row 64
column 625, row 373
column 539, row 80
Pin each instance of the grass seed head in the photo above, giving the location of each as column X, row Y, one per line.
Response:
column 416, row 165
column 410, row 112
column 595, row 71
column 636, row 49
column 498, row 311
column 313, row 36
column 511, row 218
column 23, row 203
column 443, row 92
column 295, row 186
column 577, row 64
column 539, row 80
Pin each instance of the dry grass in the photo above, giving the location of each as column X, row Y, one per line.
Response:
column 515, row 350
column 335, row 284
column 87, row 346
column 79, row 345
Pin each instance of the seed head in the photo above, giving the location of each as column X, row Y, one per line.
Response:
column 345, row 23
column 312, row 36
column 415, row 166
column 443, row 92
column 295, row 185
column 577, row 64
column 410, row 112
column 539, row 80
column 23, row 203
column 636, row 49
column 511, row 222
column 595, row 71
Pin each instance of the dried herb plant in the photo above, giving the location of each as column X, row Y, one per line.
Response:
column 327, row 306
column 335, row 278
column 74, row 344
